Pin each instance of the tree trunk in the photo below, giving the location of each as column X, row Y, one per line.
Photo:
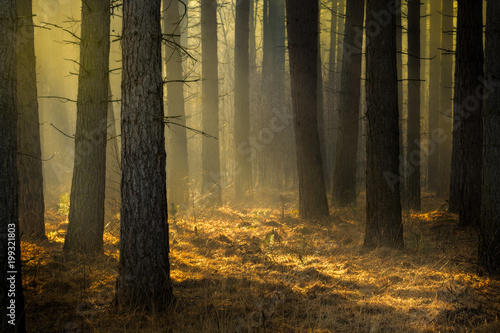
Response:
column 413, row 154
column 272, row 139
column 383, row 219
column 302, row 18
column 401, row 104
column 11, row 288
column 210, row 103
column 86, row 210
column 29, row 157
column 344, row 180
column 243, row 165
column 113, row 167
column 178, row 167
column 446, row 97
column 331, row 93
column 489, row 246
column 144, row 271
column 466, row 166
column 434, row 95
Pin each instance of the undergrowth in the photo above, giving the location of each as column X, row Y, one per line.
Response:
column 263, row 269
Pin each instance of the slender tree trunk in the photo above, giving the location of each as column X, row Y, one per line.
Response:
column 331, row 114
column 446, row 97
column 321, row 109
column 11, row 288
column 489, row 246
column 243, row 165
column 144, row 271
column 86, row 210
column 178, row 167
column 29, row 157
column 113, row 167
column 434, row 95
column 273, row 93
column 383, row 219
column 466, row 166
column 210, row 103
column 401, row 105
column 413, row 154
column 302, row 18
column 344, row 180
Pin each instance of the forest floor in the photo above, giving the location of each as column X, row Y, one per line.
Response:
column 264, row 269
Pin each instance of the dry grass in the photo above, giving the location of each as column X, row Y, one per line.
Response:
column 266, row 270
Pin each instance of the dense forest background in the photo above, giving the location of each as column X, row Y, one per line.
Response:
column 249, row 166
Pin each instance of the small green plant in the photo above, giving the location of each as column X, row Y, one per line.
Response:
column 63, row 205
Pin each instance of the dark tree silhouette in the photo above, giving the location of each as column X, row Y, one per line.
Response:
column 344, row 179
column 302, row 24
column 383, row 219
column 413, row 154
column 210, row 103
column 11, row 288
column 434, row 96
column 331, row 94
column 243, row 170
column 29, row 157
column 86, row 210
column 178, row 177
column 144, row 271
column 489, row 245
column 466, row 166
column 446, row 96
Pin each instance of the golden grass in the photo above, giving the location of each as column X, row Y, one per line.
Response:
column 263, row 269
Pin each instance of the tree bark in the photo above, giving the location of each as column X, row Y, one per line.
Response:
column 331, row 93
column 210, row 103
column 113, row 166
column 144, row 271
column 446, row 97
column 434, row 95
column 413, row 154
column 243, row 165
column 86, row 210
column 302, row 23
column 29, row 157
column 178, row 164
column 383, row 219
column 466, row 166
column 489, row 246
column 11, row 288
column 344, row 180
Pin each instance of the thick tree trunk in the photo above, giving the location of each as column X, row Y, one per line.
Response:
column 434, row 95
column 446, row 97
column 413, row 154
column 302, row 18
column 489, row 245
column 144, row 271
column 86, row 210
column 383, row 219
column 344, row 179
column 178, row 164
column 11, row 288
column 29, row 157
column 243, row 165
column 210, row 103
column 466, row 166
